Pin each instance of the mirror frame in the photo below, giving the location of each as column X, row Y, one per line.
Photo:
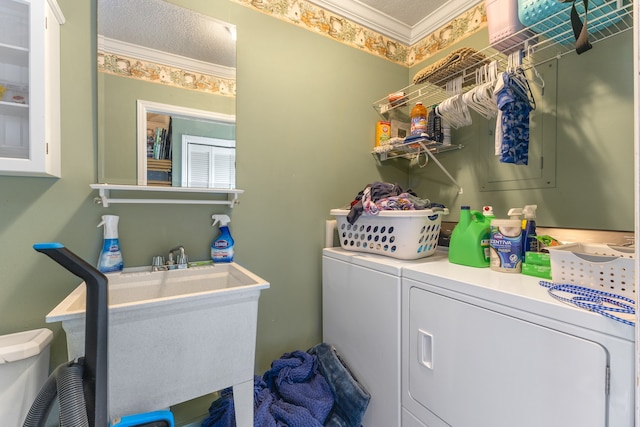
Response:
column 143, row 107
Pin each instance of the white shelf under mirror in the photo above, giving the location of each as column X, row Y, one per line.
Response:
column 168, row 196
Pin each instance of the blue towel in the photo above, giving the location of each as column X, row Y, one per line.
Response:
column 292, row 393
column 289, row 415
column 296, row 379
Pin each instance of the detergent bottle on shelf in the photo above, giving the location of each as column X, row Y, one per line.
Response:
column 418, row 119
column 469, row 243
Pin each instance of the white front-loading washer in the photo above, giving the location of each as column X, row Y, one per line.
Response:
column 361, row 318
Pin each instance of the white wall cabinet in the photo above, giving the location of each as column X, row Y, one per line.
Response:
column 30, row 87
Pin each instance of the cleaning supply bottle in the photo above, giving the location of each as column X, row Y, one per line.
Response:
column 418, row 119
column 469, row 239
column 529, row 241
column 222, row 246
column 487, row 211
column 111, row 257
column 506, row 243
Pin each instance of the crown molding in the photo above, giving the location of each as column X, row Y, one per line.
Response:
column 367, row 17
column 130, row 50
column 441, row 17
column 386, row 25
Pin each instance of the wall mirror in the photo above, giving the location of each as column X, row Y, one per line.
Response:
column 161, row 66
column 185, row 147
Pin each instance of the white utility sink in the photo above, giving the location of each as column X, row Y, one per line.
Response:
column 173, row 335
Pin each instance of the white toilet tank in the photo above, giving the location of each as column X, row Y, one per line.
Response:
column 24, row 367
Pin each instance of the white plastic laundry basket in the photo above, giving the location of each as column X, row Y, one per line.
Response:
column 409, row 234
column 609, row 268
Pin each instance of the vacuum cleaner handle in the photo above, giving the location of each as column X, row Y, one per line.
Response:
column 96, row 328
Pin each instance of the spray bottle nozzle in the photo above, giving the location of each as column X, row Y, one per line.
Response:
column 222, row 219
column 110, row 223
column 515, row 213
column 529, row 211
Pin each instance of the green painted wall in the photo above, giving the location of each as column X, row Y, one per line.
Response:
column 594, row 149
column 305, row 130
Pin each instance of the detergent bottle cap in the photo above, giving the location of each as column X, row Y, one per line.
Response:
column 110, row 223
column 515, row 213
column 529, row 211
column 222, row 219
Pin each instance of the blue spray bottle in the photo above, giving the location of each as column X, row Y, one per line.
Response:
column 110, row 257
column 222, row 246
column 529, row 241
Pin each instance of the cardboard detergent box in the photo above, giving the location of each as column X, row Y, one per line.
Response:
column 383, row 132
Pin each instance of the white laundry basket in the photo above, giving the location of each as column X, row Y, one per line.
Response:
column 24, row 367
column 409, row 234
column 608, row 268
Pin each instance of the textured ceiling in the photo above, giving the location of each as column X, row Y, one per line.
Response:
column 409, row 12
column 145, row 23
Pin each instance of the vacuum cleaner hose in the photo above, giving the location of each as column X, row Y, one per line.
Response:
column 66, row 383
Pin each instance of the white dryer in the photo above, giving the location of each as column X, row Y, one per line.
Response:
column 361, row 318
column 489, row 349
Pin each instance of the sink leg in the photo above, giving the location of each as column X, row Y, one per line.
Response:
column 243, row 401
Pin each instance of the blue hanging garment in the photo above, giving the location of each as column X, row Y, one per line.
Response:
column 515, row 101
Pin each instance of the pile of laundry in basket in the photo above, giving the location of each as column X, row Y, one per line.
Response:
column 379, row 196
column 302, row 389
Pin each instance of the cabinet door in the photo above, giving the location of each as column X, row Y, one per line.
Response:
column 29, row 87
column 14, row 79
column 473, row 367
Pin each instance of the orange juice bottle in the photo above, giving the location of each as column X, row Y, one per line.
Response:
column 418, row 119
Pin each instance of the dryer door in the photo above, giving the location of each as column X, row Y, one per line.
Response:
column 473, row 367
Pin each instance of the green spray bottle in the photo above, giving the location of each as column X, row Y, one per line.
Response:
column 469, row 243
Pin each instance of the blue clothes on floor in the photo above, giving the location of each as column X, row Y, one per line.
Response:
column 351, row 399
column 292, row 393
column 301, row 389
column 296, row 379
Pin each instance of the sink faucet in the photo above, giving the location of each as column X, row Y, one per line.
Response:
column 181, row 258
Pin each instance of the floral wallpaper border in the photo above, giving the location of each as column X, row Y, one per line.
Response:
column 313, row 18
column 316, row 19
column 123, row 66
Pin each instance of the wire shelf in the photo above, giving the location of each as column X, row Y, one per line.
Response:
column 554, row 39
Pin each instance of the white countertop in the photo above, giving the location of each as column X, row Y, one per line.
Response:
column 514, row 290
column 518, row 291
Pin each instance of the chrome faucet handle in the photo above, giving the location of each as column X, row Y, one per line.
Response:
column 157, row 263
column 181, row 258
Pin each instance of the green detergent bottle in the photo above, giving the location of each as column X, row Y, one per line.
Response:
column 469, row 243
